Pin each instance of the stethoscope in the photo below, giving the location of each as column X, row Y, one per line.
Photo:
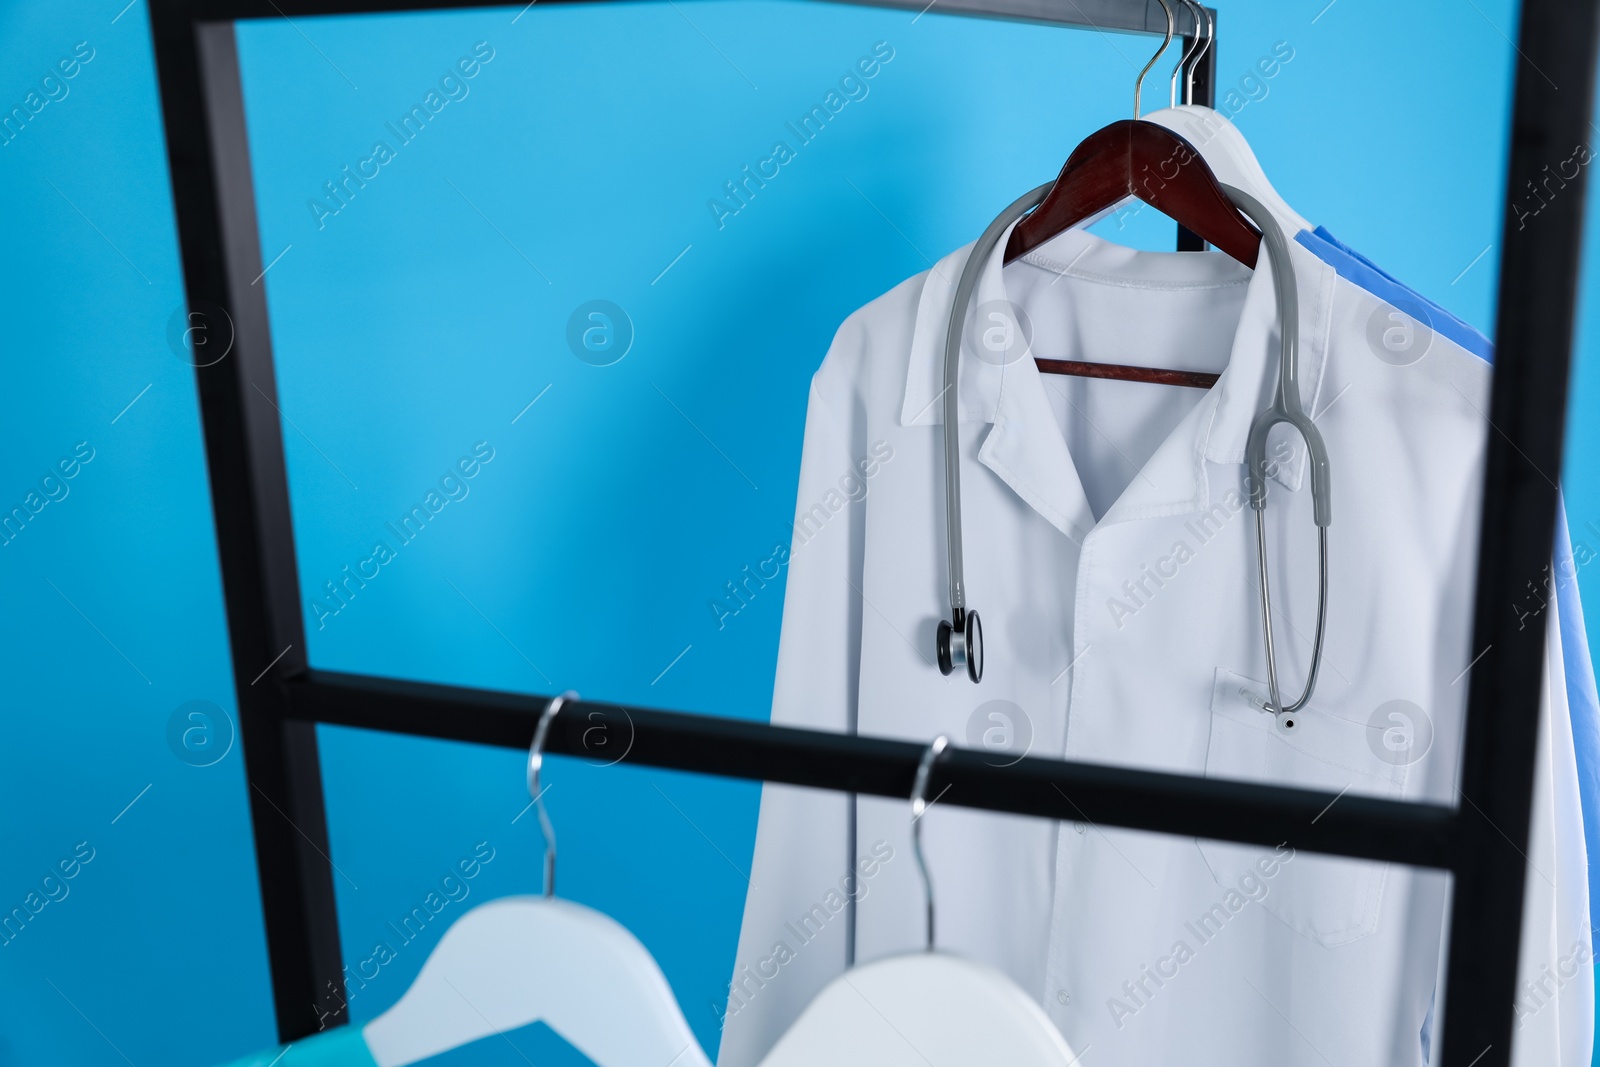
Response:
column 960, row 639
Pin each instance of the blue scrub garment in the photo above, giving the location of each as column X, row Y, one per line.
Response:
column 344, row 1047
column 1581, row 697
column 1582, row 700
column 1357, row 268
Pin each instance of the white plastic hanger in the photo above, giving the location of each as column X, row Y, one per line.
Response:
column 1219, row 141
column 922, row 1008
column 521, row 960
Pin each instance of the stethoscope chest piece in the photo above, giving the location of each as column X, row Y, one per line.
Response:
column 961, row 645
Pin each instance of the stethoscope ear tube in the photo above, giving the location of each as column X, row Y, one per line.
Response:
column 960, row 640
column 1285, row 409
column 1286, row 401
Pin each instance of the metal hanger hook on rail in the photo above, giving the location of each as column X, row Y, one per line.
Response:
column 1184, row 55
column 919, row 805
column 1138, row 85
column 1200, row 52
column 535, row 764
column 1192, row 53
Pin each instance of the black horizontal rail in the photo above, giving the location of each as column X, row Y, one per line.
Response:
column 1357, row 826
column 1116, row 15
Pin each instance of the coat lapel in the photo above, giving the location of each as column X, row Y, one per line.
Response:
column 1024, row 446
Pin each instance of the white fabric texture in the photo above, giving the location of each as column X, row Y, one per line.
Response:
column 1112, row 558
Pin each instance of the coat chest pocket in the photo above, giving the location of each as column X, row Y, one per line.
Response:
column 1330, row 900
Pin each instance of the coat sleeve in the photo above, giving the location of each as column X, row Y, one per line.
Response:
column 1554, row 1006
column 1555, row 1001
column 798, row 917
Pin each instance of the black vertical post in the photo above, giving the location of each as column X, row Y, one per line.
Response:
column 202, row 105
column 1540, row 256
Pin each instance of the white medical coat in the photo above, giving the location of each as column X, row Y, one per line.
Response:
column 1112, row 557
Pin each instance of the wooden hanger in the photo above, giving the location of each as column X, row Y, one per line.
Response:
column 1151, row 163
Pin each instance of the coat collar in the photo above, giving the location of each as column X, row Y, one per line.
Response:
column 1025, row 448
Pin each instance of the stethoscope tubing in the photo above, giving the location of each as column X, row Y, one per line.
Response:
column 952, row 368
column 1285, row 408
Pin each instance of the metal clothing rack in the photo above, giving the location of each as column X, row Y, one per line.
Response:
column 1482, row 842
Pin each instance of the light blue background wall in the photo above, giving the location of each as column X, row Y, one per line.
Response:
column 425, row 317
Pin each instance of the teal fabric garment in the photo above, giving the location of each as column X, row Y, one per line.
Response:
column 343, row 1047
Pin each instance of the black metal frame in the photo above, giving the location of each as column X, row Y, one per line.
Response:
column 281, row 698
